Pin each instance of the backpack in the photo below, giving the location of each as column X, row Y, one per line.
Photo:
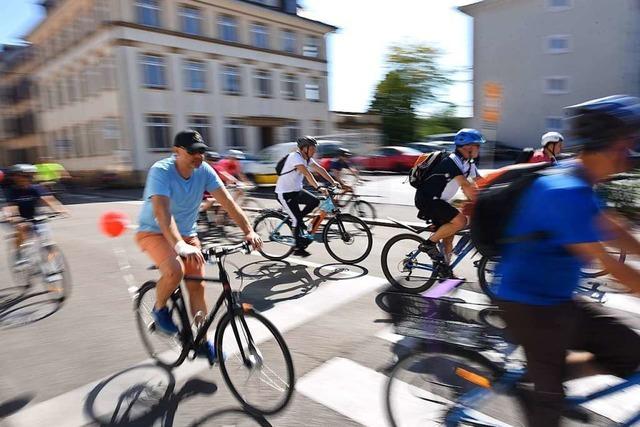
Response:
column 423, row 167
column 497, row 200
column 280, row 165
column 524, row 156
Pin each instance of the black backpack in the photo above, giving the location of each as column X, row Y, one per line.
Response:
column 524, row 156
column 280, row 165
column 496, row 203
column 424, row 166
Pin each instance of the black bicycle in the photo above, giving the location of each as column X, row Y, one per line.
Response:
column 238, row 335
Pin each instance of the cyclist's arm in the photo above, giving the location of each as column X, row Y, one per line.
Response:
column 302, row 169
column 616, row 226
column 468, row 188
column 10, row 211
column 622, row 272
column 53, row 204
column 166, row 222
column 323, row 173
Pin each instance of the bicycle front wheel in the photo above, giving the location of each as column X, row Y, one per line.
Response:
column 362, row 209
column 425, row 389
column 277, row 236
column 168, row 351
column 347, row 238
column 406, row 266
column 256, row 363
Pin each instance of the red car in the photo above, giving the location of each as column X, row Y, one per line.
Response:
column 397, row 159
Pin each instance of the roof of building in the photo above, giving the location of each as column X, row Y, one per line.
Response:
column 469, row 9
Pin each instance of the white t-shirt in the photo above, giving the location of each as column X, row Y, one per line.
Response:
column 292, row 181
column 467, row 168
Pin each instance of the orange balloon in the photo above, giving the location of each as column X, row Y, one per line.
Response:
column 113, row 223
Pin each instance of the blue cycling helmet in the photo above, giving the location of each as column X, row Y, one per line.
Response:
column 468, row 136
column 598, row 122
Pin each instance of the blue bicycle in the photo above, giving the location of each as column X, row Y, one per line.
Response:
column 466, row 373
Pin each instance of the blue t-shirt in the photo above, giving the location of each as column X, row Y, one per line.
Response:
column 26, row 199
column 543, row 271
column 185, row 195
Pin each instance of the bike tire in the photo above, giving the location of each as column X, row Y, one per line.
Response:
column 232, row 364
column 63, row 270
column 485, row 265
column 153, row 340
column 588, row 274
column 420, row 283
column 424, row 387
column 271, row 249
column 362, row 209
column 333, row 226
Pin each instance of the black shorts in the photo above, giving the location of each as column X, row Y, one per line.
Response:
column 437, row 210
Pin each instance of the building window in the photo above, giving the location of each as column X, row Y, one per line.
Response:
column 231, row 79
column 191, row 20
column 318, row 128
column 148, row 12
column 158, row 131
column 556, row 85
column 553, row 123
column 263, row 83
column 559, row 5
column 292, row 130
column 201, row 125
column 290, row 86
column 234, row 134
column 259, row 35
column 289, row 41
column 153, row 71
column 558, row 44
column 312, row 90
column 195, row 76
column 110, row 135
column 108, row 69
column 310, row 48
column 228, row 26
column 71, row 88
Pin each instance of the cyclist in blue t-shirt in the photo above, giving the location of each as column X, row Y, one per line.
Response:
column 538, row 276
column 167, row 225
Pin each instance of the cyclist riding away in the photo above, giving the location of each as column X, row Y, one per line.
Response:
column 232, row 167
column 167, row 225
column 551, row 147
column 23, row 198
column 539, row 274
column 289, row 188
column 340, row 163
column 434, row 195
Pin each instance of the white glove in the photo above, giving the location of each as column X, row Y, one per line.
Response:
column 184, row 249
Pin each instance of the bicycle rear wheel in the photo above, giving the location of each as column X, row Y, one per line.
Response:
column 277, row 235
column 347, row 238
column 424, row 389
column 487, row 276
column 263, row 381
column 406, row 266
column 168, row 351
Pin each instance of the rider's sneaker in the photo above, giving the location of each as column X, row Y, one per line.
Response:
column 301, row 252
column 163, row 321
column 207, row 350
column 431, row 248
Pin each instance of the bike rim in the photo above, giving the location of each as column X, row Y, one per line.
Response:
column 347, row 239
column 406, row 266
column 278, row 240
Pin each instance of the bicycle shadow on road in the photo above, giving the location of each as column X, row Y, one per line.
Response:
column 12, row 406
column 277, row 281
column 145, row 395
column 20, row 307
column 231, row 417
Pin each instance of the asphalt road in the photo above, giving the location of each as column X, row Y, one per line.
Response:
column 84, row 364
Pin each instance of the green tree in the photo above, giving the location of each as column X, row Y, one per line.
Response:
column 443, row 122
column 414, row 79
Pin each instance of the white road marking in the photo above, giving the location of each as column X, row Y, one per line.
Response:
column 68, row 408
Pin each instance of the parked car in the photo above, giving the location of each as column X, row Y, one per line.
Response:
column 398, row 159
column 263, row 170
column 428, row 147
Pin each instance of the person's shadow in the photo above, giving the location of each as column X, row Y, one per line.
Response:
column 277, row 281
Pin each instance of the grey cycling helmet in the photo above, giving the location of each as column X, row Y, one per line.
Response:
column 306, row 141
column 212, row 156
column 344, row 152
column 23, row 169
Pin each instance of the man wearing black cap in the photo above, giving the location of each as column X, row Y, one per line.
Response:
column 167, row 224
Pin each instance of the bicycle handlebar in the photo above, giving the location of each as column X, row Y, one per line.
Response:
column 221, row 251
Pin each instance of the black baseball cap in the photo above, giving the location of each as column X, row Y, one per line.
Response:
column 190, row 140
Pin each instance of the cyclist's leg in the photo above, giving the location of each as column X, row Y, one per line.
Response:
column 289, row 202
column 309, row 200
column 545, row 346
column 168, row 262
column 614, row 344
column 195, row 287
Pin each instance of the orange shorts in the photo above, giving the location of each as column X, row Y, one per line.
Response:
column 159, row 250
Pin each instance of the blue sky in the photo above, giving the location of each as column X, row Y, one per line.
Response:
column 357, row 51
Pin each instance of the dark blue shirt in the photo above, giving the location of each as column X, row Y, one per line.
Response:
column 26, row 199
column 542, row 271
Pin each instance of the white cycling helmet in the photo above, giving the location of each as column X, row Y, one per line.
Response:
column 551, row 137
column 236, row 154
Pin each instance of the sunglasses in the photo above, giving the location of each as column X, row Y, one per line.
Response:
column 195, row 151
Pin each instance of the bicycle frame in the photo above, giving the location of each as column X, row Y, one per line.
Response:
column 461, row 249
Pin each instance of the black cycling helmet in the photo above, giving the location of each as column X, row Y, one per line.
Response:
column 344, row 152
column 598, row 122
column 306, row 141
column 212, row 156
